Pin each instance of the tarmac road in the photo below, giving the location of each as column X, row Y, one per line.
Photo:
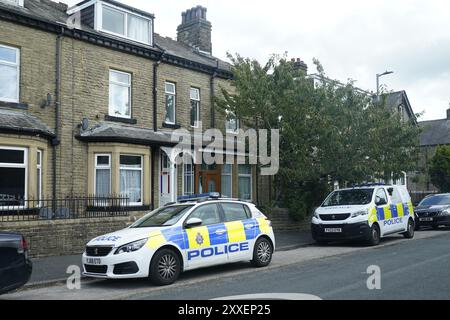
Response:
column 410, row 269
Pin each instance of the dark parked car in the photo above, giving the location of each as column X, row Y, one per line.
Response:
column 433, row 211
column 15, row 266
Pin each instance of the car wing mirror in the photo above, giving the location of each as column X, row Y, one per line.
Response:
column 193, row 222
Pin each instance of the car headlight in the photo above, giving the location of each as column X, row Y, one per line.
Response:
column 131, row 247
column 360, row 213
column 316, row 215
column 445, row 212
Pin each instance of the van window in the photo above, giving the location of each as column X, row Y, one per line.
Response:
column 380, row 195
column 349, row 197
column 396, row 197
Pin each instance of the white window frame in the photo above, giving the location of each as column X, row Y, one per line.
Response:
column 124, row 85
column 192, row 174
column 16, row 2
column 12, row 64
column 247, row 175
column 174, row 94
column 141, row 169
column 228, row 175
column 20, row 166
column 39, row 175
column 99, row 22
column 198, row 100
column 102, row 167
column 238, row 125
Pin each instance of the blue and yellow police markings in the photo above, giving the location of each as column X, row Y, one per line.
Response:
column 213, row 235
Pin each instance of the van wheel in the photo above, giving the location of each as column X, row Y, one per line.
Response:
column 165, row 267
column 262, row 253
column 409, row 234
column 374, row 237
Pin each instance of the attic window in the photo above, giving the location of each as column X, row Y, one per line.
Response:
column 126, row 24
column 14, row 2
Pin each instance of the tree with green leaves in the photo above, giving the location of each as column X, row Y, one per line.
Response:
column 440, row 169
column 328, row 131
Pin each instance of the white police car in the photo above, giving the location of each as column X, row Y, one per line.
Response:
column 366, row 212
column 190, row 234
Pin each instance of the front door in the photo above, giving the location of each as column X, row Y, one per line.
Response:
column 167, row 185
column 209, row 179
column 207, row 242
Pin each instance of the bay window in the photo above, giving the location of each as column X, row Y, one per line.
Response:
column 119, row 94
column 195, row 107
column 9, row 74
column 227, row 170
column 126, row 24
column 13, row 175
column 131, row 178
column 102, row 175
column 39, row 174
column 170, row 95
column 245, row 182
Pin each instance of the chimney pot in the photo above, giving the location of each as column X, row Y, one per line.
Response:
column 196, row 35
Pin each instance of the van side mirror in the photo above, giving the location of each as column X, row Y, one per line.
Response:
column 193, row 222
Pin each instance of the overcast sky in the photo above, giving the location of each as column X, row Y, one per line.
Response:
column 353, row 39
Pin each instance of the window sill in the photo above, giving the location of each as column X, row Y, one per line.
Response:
column 14, row 105
column 171, row 126
column 122, row 120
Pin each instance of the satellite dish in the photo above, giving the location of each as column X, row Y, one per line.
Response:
column 85, row 124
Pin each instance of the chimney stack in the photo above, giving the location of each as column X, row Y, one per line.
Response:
column 448, row 113
column 195, row 30
column 300, row 65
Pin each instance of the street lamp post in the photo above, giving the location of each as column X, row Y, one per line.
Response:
column 378, row 80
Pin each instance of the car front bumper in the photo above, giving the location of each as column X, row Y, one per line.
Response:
column 122, row 266
column 437, row 221
column 359, row 230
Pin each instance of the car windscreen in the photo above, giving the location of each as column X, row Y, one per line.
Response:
column 349, row 197
column 438, row 200
column 162, row 217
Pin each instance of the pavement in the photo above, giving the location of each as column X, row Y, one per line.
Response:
column 47, row 271
column 410, row 268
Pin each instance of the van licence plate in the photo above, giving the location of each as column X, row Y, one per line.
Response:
column 333, row 230
column 94, row 261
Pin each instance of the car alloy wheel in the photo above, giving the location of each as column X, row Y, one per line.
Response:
column 167, row 267
column 264, row 251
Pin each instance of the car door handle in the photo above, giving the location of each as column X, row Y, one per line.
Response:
column 248, row 226
column 220, row 232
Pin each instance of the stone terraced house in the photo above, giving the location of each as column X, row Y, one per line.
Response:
column 89, row 96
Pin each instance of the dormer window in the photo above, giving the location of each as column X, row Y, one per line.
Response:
column 125, row 24
column 117, row 19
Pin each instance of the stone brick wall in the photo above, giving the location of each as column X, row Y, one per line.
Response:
column 64, row 237
column 281, row 220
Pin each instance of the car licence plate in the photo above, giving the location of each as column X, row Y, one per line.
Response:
column 333, row 230
column 426, row 219
column 94, row 261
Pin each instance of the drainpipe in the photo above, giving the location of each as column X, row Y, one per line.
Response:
column 155, row 127
column 212, row 94
column 56, row 141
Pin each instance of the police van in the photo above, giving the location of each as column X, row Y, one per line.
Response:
column 366, row 212
column 193, row 233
